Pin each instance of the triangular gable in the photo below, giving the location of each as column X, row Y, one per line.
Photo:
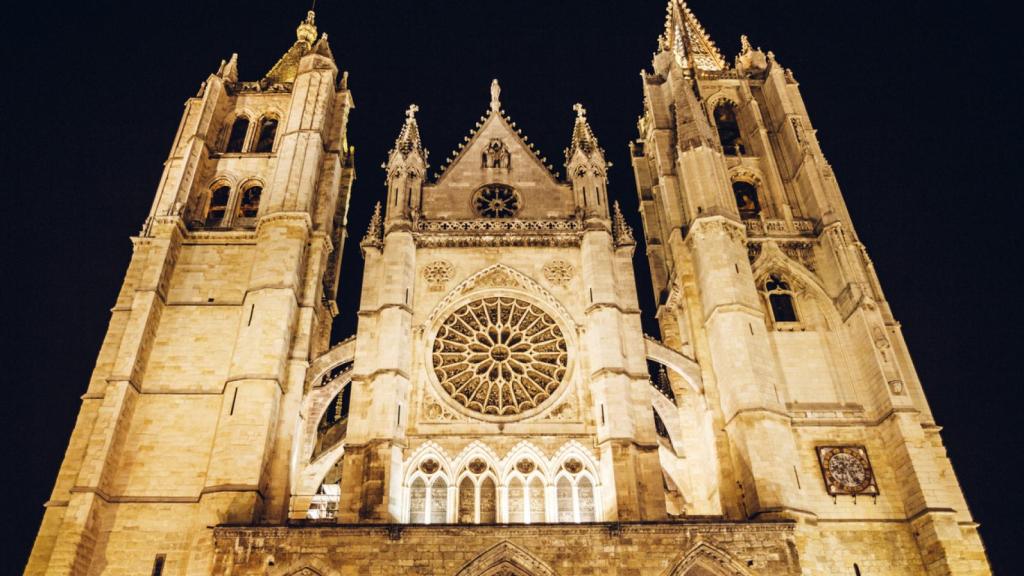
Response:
column 495, row 124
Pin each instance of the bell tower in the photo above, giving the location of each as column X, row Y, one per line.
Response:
column 816, row 412
column 188, row 419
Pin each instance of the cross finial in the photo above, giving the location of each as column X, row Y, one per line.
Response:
column 411, row 112
column 581, row 112
column 495, row 95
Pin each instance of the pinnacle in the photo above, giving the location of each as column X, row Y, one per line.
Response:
column 409, row 139
column 583, row 138
column 685, row 36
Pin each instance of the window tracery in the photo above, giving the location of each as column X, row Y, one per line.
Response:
column 500, row 356
column 496, row 201
column 780, row 299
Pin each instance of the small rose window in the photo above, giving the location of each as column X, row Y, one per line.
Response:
column 496, row 201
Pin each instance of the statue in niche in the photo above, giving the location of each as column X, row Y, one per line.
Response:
column 496, row 155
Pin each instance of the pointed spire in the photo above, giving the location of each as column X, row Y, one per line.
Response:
column 408, row 140
column 229, row 70
column 622, row 233
column 583, row 138
column 689, row 41
column 287, row 67
column 375, row 231
column 495, row 96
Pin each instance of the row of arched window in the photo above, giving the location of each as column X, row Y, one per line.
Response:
column 481, row 493
column 728, row 129
column 242, row 138
column 219, row 208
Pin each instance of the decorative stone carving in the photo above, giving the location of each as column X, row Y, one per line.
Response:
column 433, row 411
column 429, row 466
column 525, row 466
column 438, row 274
column 477, row 466
column 573, row 466
column 496, row 155
column 847, row 470
column 564, row 411
column 496, row 201
column 802, row 252
column 500, row 356
column 558, row 272
column 497, row 279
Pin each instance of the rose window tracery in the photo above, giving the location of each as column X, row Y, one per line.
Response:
column 500, row 356
column 496, row 201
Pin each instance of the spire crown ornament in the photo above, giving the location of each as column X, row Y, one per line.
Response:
column 306, row 32
column 622, row 233
column 374, row 237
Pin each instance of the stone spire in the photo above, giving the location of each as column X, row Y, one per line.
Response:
column 621, row 230
column 687, row 39
column 583, row 138
column 408, row 140
column 287, row 66
column 374, row 237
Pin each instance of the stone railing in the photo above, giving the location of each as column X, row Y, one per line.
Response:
column 498, row 225
column 770, row 227
column 498, row 232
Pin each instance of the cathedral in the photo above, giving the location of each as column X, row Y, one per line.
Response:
column 500, row 410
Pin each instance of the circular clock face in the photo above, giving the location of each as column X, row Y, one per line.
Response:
column 850, row 471
column 500, row 357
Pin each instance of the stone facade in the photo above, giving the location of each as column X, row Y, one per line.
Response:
column 500, row 410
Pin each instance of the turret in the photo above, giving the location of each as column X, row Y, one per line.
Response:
column 406, row 169
column 586, row 167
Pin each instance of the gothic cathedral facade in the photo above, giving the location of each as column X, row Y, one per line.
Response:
column 500, row 410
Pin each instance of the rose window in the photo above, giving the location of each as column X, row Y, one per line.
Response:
column 500, row 356
column 496, row 201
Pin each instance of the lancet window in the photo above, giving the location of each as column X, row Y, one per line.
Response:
column 428, row 494
column 746, row 199
column 249, row 205
column 236, row 137
column 265, row 136
column 478, row 494
column 729, row 129
column 780, row 299
column 218, row 206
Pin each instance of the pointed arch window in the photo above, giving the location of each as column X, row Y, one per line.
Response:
column 574, row 493
column 729, row 129
column 249, row 206
column 428, row 494
column 266, row 135
column 746, row 199
column 477, row 495
column 218, row 207
column 236, row 138
column 780, row 299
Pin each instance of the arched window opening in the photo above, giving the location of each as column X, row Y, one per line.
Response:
column 780, row 299
column 267, row 133
column 729, row 129
column 236, row 139
column 585, row 489
column 250, row 204
column 467, row 501
column 536, row 489
column 566, row 503
column 334, row 423
column 516, row 509
column 439, row 501
column 746, row 199
column 418, row 502
column 488, row 501
column 218, row 207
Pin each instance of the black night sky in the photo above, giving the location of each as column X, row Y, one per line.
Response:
column 910, row 100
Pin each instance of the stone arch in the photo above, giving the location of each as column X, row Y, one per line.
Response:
column 675, row 361
column 705, row 559
column 522, row 450
column 500, row 276
column 506, row 557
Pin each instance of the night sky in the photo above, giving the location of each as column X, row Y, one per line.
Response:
column 910, row 100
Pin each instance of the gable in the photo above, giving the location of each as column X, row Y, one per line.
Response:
column 496, row 154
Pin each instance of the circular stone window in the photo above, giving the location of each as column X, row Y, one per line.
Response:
column 496, row 201
column 500, row 357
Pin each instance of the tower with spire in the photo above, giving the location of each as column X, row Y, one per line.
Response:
column 189, row 418
column 812, row 411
